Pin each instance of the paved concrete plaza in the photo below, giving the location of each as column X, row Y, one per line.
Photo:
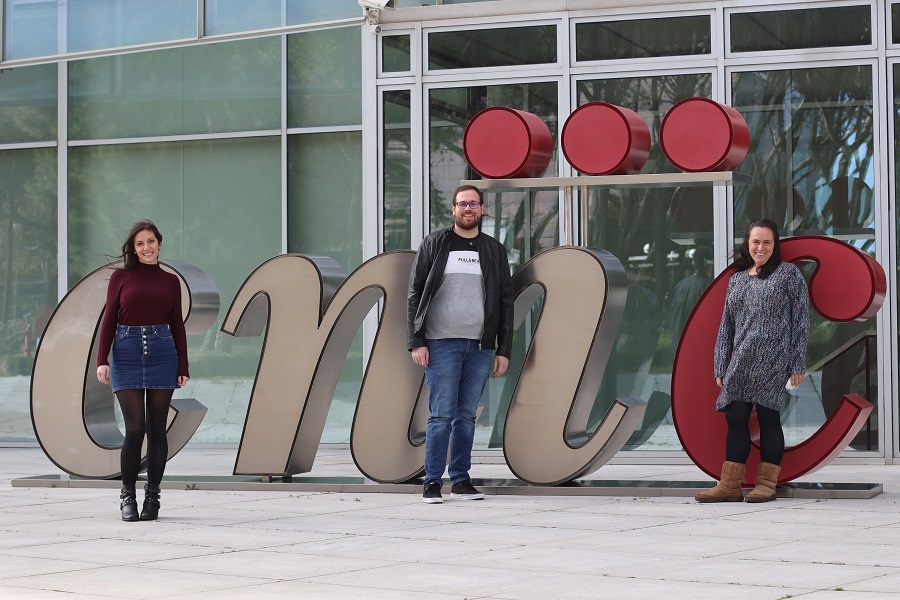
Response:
column 70, row 543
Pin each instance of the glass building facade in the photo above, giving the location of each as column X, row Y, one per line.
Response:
column 254, row 128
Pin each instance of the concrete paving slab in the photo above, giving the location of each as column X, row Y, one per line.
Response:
column 263, row 544
column 16, row 593
column 134, row 582
column 320, row 591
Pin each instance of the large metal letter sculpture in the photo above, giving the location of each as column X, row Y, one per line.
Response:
column 847, row 285
column 544, row 440
column 312, row 315
column 73, row 414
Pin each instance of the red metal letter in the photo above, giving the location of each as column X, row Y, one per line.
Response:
column 847, row 285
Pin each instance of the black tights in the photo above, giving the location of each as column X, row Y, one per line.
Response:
column 771, row 436
column 132, row 405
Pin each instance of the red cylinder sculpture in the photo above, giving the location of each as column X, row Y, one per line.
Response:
column 604, row 139
column 699, row 134
column 504, row 143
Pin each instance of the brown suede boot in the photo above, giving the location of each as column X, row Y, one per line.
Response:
column 766, row 480
column 729, row 486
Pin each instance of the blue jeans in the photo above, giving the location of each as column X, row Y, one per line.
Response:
column 457, row 372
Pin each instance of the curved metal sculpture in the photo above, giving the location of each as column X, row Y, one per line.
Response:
column 65, row 392
column 847, row 285
column 544, row 440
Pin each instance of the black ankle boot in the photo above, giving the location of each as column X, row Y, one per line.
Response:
column 129, row 503
column 151, row 503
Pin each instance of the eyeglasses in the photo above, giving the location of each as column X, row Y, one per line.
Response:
column 467, row 204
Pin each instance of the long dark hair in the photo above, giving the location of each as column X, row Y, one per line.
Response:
column 129, row 257
column 743, row 260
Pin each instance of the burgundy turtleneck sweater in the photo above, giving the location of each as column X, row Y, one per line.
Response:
column 144, row 295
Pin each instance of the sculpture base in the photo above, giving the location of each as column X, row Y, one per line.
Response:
column 360, row 485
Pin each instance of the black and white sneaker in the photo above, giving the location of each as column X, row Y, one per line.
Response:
column 464, row 490
column 432, row 493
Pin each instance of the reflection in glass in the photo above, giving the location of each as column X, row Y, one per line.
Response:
column 664, row 239
column 895, row 23
column 313, row 11
column 451, row 109
column 895, row 109
column 805, row 28
column 325, row 218
column 200, row 204
column 641, row 38
column 28, row 104
column 811, row 160
column 96, row 24
column 395, row 53
column 27, row 276
column 211, row 88
column 325, row 78
column 227, row 16
column 30, row 28
column 492, row 47
column 396, row 177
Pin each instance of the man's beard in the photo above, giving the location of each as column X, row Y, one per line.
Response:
column 476, row 222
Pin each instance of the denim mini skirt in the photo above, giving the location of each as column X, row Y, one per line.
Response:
column 143, row 357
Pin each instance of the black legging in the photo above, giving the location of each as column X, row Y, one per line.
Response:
column 132, row 405
column 771, row 436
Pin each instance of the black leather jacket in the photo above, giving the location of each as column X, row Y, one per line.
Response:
column 426, row 276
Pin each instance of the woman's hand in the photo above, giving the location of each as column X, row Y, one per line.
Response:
column 103, row 374
column 719, row 381
column 797, row 379
column 182, row 380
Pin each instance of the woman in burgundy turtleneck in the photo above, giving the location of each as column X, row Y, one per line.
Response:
column 143, row 355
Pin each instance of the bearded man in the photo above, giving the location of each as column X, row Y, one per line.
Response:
column 459, row 318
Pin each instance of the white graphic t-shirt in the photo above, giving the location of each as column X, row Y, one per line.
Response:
column 457, row 307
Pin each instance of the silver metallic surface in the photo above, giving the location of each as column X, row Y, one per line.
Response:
column 73, row 414
column 629, row 488
column 639, row 180
column 545, row 440
column 313, row 314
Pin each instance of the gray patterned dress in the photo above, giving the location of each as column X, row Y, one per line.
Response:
column 762, row 337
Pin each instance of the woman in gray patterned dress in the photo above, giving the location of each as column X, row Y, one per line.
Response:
column 761, row 346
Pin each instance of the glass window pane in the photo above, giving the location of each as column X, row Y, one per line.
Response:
column 325, row 196
column 28, row 104
column 640, row 38
column 314, row 11
column 325, row 78
column 94, row 24
column 325, row 218
column 812, row 163
column 451, row 109
column 805, row 28
column 197, row 193
column 895, row 23
column 396, row 178
column 492, row 47
column 395, row 53
column 896, row 124
column 227, row 16
column 28, row 292
column 664, row 239
column 211, row 88
column 30, row 28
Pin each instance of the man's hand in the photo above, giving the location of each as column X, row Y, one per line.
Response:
column 501, row 363
column 420, row 355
